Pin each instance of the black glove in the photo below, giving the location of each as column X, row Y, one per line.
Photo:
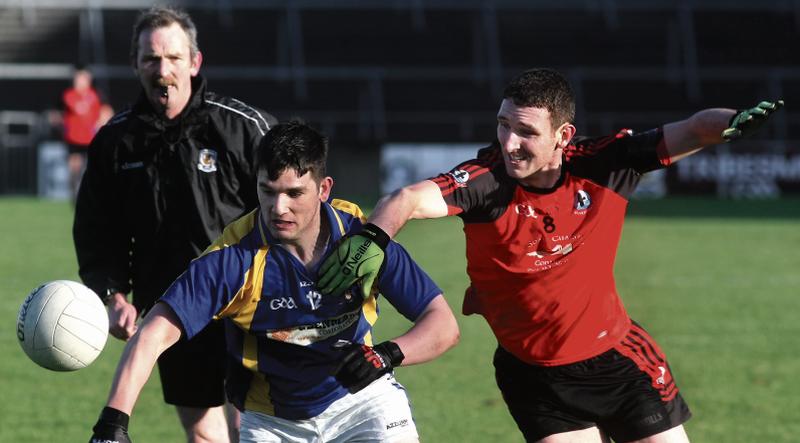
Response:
column 747, row 121
column 361, row 364
column 111, row 427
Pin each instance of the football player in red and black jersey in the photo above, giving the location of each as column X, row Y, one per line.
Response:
column 543, row 212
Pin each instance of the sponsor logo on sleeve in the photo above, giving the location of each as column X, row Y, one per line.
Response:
column 660, row 380
column 460, row 176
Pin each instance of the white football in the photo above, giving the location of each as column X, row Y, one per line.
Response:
column 62, row 325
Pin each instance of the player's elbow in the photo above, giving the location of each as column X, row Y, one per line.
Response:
column 406, row 197
column 450, row 334
column 456, row 335
column 452, row 339
column 410, row 196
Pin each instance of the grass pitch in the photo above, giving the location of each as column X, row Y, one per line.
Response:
column 715, row 282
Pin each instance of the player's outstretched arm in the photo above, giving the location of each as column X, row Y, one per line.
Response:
column 360, row 256
column 434, row 332
column 417, row 201
column 714, row 126
column 159, row 331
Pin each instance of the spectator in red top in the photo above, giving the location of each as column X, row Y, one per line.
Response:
column 81, row 116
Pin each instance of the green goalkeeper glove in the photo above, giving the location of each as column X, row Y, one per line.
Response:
column 745, row 123
column 358, row 257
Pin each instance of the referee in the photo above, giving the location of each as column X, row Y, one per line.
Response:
column 163, row 179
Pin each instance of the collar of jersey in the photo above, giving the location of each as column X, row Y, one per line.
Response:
column 561, row 179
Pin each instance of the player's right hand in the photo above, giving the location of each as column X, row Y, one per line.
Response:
column 361, row 364
column 746, row 122
column 121, row 317
column 358, row 257
column 111, row 427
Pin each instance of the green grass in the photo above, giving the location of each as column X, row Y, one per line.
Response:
column 715, row 282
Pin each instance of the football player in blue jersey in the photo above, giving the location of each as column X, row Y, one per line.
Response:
column 301, row 367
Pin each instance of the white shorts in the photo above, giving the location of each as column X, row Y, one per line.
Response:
column 380, row 412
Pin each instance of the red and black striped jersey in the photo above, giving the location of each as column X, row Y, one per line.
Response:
column 541, row 261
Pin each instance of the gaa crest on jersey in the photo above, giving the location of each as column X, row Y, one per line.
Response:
column 460, row 176
column 582, row 200
column 207, row 160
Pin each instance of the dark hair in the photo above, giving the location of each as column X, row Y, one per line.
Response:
column 293, row 145
column 162, row 17
column 543, row 88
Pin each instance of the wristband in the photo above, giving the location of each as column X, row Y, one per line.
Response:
column 733, row 117
column 375, row 234
column 114, row 416
column 392, row 350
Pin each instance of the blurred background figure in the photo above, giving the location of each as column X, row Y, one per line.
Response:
column 83, row 113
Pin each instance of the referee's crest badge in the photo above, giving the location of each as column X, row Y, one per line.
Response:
column 207, row 160
column 582, row 200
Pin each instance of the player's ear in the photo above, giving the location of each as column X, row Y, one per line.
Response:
column 565, row 134
column 325, row 186
column 197, row 60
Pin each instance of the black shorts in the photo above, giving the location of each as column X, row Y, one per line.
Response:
column 77, row 149
column 193, row 372
column 628, row 392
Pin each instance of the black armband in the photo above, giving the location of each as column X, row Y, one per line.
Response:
column 376, row 234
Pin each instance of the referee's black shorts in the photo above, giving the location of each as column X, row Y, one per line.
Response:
column 193, row 371
column 628, row 392
column 77, row 149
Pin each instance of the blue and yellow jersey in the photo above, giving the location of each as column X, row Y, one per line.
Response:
column 279, row 328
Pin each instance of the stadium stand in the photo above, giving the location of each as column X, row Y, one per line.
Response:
column 370, row 72
column 19, row 45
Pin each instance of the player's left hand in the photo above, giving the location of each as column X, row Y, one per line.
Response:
column 361, row 364
column 745, row 123
column 358, row 257
column 111, row 427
